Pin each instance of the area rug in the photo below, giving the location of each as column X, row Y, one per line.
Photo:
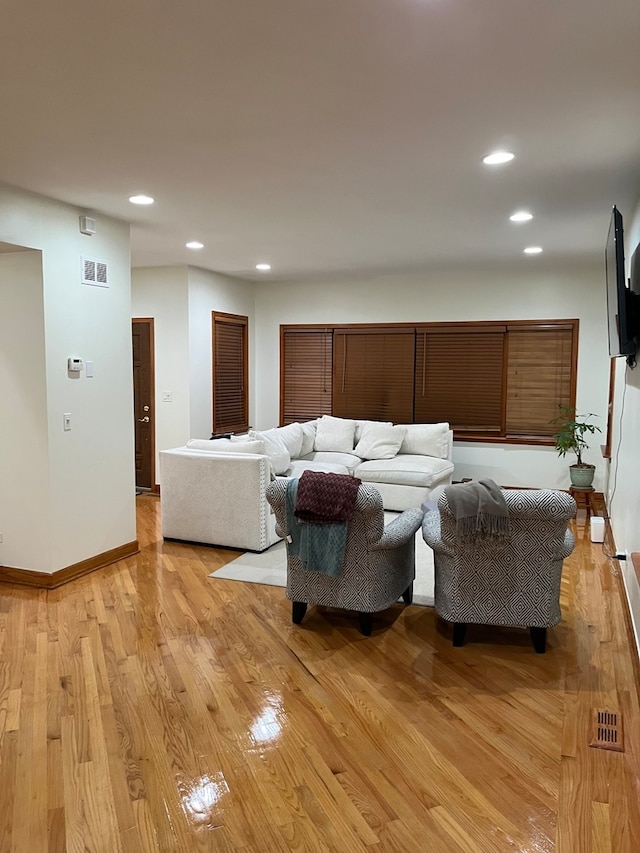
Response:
column 270, row 567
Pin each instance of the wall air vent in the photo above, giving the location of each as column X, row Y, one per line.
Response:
column 94, row 272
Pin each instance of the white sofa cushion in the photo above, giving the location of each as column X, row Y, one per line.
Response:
column 379, row 441
column 274, row 448
column 360, row 425
column 405, row 470
column 299, row 466
column 308, row 436
column 334, row 434
column 292, row 435
column 226, row 445
column 326, row 457
column 426, row 440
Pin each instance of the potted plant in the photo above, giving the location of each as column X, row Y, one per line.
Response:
column 571, row 436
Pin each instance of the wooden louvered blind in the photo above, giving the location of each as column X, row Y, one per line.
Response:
column 539, row 378
column 373, row 374
column 501, row 381
column 230, row 353
column 306, row 374
column 459, row 377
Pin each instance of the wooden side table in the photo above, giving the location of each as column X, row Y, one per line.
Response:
column 584, row 498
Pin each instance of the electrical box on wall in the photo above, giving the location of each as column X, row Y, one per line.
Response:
column 74, row 365
column 87, row 225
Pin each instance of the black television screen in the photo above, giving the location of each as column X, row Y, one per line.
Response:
column 634, row 271
column 619, row 297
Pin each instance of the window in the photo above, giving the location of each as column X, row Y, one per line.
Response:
column 459, row 376
column 230, row 353
column 373, row 371
column 539, row 377
column 492, row 381
column 306, row 364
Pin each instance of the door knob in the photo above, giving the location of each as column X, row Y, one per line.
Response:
column 144, row 420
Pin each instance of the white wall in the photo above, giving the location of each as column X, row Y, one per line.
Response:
column 534, row 290
column 623, row 487
column 181, row 299
column 161, row 293
column 90, row 491
column 23, row 413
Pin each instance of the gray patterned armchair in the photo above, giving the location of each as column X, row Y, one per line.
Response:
column 379, row 561
column 493, row 582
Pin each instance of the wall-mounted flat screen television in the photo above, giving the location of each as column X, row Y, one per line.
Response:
column 634, row 272
column 622, row 309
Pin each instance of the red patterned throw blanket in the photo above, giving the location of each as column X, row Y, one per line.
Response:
column 326, row 498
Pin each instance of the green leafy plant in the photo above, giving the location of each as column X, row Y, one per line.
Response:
column 572, row 429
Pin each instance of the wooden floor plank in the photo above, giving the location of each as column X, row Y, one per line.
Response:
column 147, row 707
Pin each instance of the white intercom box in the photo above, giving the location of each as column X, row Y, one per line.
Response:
column 74, row 365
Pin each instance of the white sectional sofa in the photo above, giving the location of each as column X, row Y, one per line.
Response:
column 213, row 491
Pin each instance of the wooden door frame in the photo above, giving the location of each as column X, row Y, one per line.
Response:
column 150, row 322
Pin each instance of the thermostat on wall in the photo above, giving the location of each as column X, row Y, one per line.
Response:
column 74, row 365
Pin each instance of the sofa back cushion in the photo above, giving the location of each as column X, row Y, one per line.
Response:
column 309, row 429
column 427, row 440
column 226, row 445
column 274, row 447
column 335, row 434
column 380, row 440
column 292, row 436
column 360, row 425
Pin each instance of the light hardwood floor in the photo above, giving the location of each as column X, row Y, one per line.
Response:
column 147, row 707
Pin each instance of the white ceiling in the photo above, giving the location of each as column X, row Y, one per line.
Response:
column 326, row 136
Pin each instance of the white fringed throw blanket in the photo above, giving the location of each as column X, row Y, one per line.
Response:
column 480, row 510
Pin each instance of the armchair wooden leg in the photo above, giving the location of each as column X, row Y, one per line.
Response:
column 459, row 631
column 539, row 639
column 298, row 609
column 365, row 623
column 407, row 595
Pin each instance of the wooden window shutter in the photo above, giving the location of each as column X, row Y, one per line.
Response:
column 230, row 373
column 459, row 377
column 539, row 377
column 306, row 373
column 373, row 374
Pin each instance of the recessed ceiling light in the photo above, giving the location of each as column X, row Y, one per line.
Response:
column 533, row 250
column 498, row 157
column 263, row 267
column 141, row 199
column 521, row 216
column 194, row 244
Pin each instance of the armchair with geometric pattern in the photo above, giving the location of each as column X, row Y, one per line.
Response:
column 496, row 581
column 378, row 566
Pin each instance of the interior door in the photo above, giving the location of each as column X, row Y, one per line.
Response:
column 143, row 402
